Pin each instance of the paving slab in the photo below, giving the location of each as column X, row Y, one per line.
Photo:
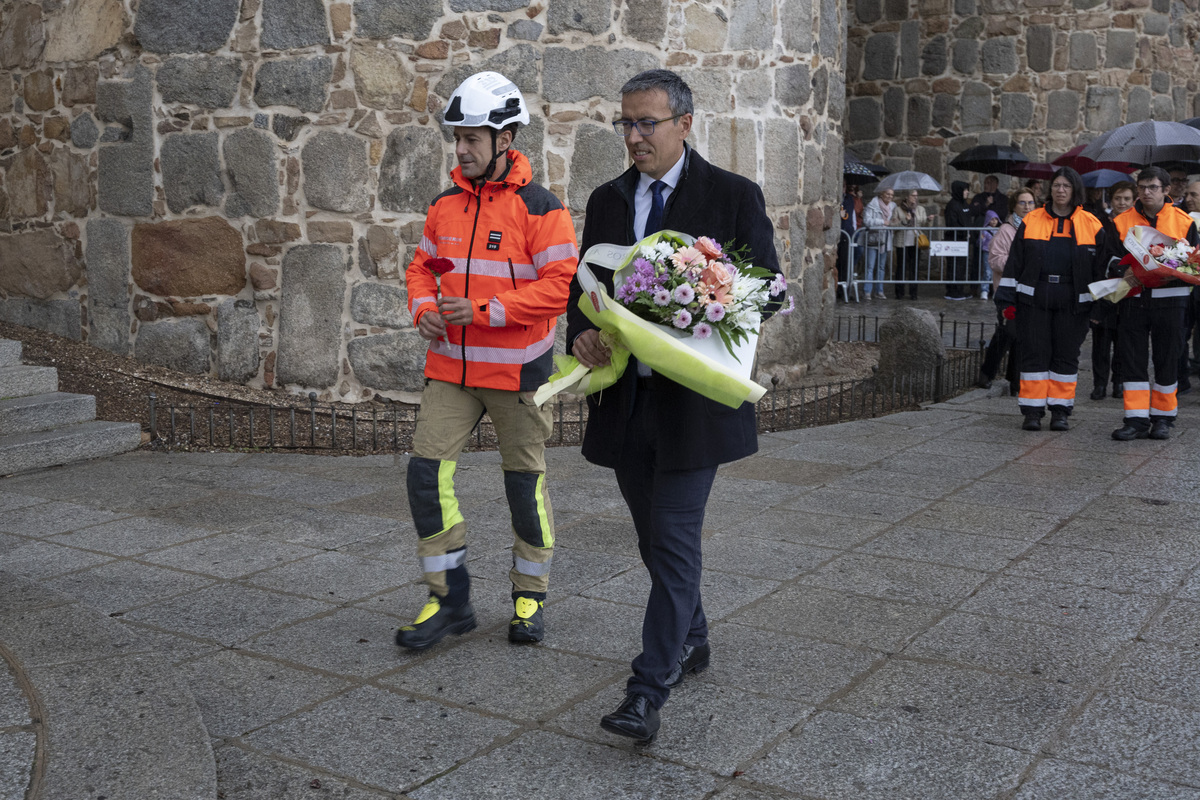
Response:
column 380, row 739
column 541, row 764
column 1064, row 780
column 933, row 604
column 841, row 756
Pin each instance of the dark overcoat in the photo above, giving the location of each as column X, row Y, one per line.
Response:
column 693, row 431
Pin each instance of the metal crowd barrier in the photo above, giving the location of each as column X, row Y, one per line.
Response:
column 947, row 260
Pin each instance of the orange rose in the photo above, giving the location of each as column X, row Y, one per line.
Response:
column 1156, row 250
column 709, row 248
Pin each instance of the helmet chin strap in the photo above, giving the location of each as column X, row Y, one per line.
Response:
column 482, row 179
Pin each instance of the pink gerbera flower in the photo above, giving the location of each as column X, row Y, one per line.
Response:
column 688, row 258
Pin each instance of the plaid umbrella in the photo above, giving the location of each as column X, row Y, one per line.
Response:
column 1072, row 159
column 1145, row 143
column 989, row 158
column 908, row 180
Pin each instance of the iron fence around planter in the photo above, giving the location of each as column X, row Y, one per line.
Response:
column 348, row 429
column 956, row 334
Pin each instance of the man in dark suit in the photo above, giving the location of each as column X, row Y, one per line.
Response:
column 664, row 441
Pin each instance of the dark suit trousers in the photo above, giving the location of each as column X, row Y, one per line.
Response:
column 668, row 513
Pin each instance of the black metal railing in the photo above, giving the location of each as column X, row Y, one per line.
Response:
column 344, row 428
column 956, row 334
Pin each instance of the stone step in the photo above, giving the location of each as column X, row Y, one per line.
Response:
column 41, row 412
column 10, row 353
column 21, row 452
column 23, row 381
column 116, row 719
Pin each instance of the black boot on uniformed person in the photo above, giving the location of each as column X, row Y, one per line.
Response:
column 693, row 659
column 1160, row 429
column 1058, row 420
column 1131, row 431
column 434, row 622
column 635, row 718
column 526, row 625
column 1033, row 422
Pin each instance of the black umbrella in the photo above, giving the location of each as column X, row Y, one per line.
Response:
column 855, row 171
column 1194, row 122
column 1149, row 142
column 989, row 158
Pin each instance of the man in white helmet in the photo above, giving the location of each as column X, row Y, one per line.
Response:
column 506, row 252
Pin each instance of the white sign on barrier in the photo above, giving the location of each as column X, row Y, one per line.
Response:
column 949, row 249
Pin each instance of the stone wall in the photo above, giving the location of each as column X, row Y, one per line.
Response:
column 234, row 187
column 930, row 78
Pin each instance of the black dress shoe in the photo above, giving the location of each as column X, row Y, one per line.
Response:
column 1098, row 393
column 1160, row 429
column 1031, row 424
column 1118, row 391
column 693, row 658
column 635, row 718
column 1130, row 432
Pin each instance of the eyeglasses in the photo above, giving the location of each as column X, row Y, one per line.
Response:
column 1026, row 203
column 645, row 127
column 1152, row 188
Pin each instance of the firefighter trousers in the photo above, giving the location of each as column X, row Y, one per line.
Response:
column 1149, row 326
column 447, row 416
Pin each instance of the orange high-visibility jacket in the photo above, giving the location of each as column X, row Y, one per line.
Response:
column 1027, row 254
column 514, row 252
column 1174, row 222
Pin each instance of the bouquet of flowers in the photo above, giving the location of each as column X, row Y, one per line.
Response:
column 699, row 288
column 687, row 308
column 1153, row 259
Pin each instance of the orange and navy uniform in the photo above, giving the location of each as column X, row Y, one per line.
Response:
column 1050, row 264
column 514, row 251
column 1171, row 220
column 1040, row 230
column 1152, row 321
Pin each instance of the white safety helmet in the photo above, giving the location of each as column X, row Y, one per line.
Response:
column 486, row 99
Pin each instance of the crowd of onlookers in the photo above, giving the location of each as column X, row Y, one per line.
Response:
column 990, row 220
column 975, row 274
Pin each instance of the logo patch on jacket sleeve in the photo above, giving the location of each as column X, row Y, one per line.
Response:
column 493, row 240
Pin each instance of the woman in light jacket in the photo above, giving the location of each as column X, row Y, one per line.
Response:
column 908, row 215
column 878, row 214
column 1003, row 341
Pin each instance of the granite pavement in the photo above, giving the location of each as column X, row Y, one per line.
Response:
column 933, row 604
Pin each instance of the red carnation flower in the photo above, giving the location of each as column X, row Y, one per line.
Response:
column 440, row 266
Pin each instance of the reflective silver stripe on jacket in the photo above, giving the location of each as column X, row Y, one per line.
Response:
column 496, row 313
column 495, row 355
column 555, row 252
column 1024, row 288
column 416, row 303
column 1012, row 282
column 444, row 562
column 1085, row 298
column 1173, row 291
column 428, row 246
column 531, row 568
column 497, row 269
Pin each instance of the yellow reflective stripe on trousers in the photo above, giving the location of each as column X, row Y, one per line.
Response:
column 543, row 517
column 446, row 497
